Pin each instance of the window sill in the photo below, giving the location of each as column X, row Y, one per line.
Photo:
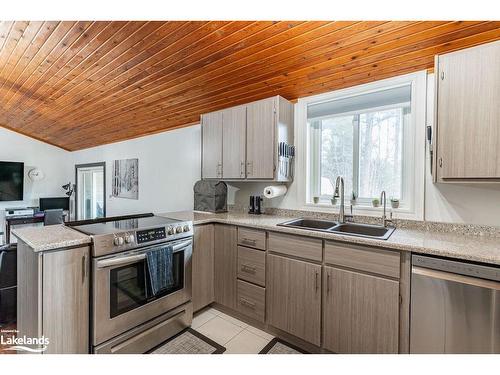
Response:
column 364, row 210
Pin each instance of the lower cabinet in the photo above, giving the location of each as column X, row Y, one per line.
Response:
column 293, row 303
column 251, row 300
column 203, row 266
column 361, row 312
column 225, row 265
column 53, row 297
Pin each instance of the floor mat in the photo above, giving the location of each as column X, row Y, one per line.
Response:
column 278, row 346
column 189, row 341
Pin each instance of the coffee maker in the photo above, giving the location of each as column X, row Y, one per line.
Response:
column 256, row 206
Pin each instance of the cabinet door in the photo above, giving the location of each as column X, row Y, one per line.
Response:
column 203, row 266
column 66, row 300
column 361, row 313
column 225, row 264
column 468, row 113
column 234, row 142
column 294, row 297
column 212, row 145
column 261, row 122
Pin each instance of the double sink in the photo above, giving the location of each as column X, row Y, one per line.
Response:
column 351, row 229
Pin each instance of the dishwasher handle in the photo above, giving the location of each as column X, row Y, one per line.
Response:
column 447, row 276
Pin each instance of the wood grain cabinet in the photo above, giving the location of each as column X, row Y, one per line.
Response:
column 467, row 117
column 360, row 312
column 242, row 142
column 203, row 266
column 293, row 291
column 225, row 265
column 212, row 145
column 234, row 125
column 53, row 297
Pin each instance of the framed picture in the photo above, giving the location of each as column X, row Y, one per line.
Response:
column 126, row 178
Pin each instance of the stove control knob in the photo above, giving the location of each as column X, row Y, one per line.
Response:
column 186, row 228
column 178, row 229
column 171, row 230
column 118, row 241
column 129, row 238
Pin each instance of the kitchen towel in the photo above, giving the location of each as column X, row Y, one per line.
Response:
column 274, row 191
column 160, row 262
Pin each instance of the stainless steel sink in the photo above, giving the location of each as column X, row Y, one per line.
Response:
column 350, row 229
column 312, row 224
column 363, row 230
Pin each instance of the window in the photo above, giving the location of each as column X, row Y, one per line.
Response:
column 367, row 139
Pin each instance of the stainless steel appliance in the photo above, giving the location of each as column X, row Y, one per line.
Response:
column 126, row 316
column 455, row 306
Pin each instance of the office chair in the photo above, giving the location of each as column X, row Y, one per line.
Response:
column 53, row 217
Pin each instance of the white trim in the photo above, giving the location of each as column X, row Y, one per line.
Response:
column 418, row 83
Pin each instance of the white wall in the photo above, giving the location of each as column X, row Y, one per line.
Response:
column 53, row 161
column 456, row 203
column 169, row 165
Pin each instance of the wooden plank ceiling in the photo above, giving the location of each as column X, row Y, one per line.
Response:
column 82, row 84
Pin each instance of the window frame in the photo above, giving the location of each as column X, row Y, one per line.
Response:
column 414, row 155
column 365, row 201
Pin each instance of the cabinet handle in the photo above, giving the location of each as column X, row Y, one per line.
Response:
column 84, row 268
column 248, row 269
column 316, row 281
column 242, row 169
column 248, row 241
column 327, row 283
column 249, row 168
column 219, row 170
column 440, row 162
column 247, row 303
column 442, row 75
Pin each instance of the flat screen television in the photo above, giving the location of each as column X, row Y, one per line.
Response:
column 11, row 181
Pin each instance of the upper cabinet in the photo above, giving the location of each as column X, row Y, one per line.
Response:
column 212, row 145
column 234, row 126
column 243, row 142
column 261, row 120
column 467, row 119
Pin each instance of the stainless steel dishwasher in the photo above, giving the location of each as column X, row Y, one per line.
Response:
column 455, row 307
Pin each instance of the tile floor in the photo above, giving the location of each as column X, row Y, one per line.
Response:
column 236, row 336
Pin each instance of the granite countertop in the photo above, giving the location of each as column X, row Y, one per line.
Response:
column 476, row 248
column 50, row 237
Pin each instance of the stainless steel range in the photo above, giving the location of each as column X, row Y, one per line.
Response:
column 127, row 317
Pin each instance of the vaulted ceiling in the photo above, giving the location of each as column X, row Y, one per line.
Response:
column 82, row 84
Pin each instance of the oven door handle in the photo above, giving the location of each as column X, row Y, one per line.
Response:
column 105, row 263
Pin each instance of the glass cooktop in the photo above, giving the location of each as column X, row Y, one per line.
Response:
column 126, row 224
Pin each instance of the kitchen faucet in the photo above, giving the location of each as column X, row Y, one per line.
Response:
column 384, row 217
column 339, row 193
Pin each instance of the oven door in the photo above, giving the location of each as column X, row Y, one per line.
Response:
column 122, row 297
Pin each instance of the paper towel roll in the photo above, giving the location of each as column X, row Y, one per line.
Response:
column 274, row 191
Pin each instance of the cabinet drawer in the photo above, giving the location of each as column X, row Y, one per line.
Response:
column 251, row 300
column 252, row 265
column 382, row 262
column 251, row 237
column 303, row 247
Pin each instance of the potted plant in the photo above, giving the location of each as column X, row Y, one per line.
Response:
column 353, row 199
column 316, row 200
column 375, row 202
column 394, row 203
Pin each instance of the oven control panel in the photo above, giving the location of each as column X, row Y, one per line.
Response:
column 149, row 235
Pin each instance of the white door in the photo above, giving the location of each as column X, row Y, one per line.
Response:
column 90, row 191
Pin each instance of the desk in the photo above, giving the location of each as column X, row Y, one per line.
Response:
column 28, row 219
